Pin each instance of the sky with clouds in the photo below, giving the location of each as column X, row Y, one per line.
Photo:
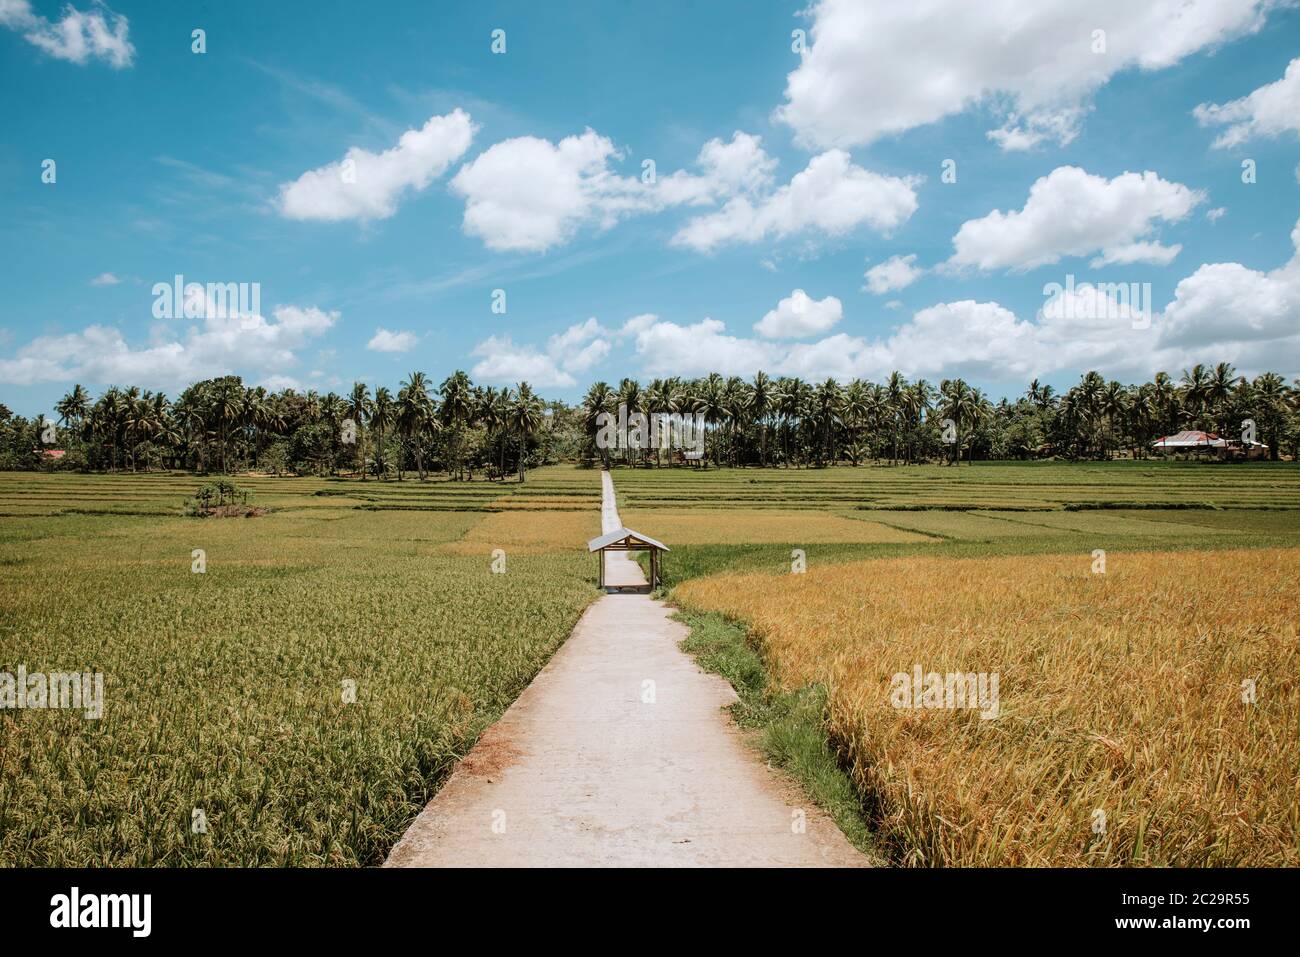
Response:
column 576, row 191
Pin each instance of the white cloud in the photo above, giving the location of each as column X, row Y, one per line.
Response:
column 741, row 166
column 1141, row 252
column 105, row 279
column 365, row 185
column 1214, row 215
column 831, row 196
column 217, row 345
column 1070, row 212
column 1271, row 110
column 896, row 272
column 799, row 316
column 666, row 348
column 879, row 67
column 274, row 383
column 98, row 34
column 1019, row 134
column 1223, row 311
column 636, row 324
column 1228, row 305
column 385, row 341
column 574, row 350
column 530, row 194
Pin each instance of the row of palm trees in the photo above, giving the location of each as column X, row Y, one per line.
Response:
column 220, row 424
column 909, row 420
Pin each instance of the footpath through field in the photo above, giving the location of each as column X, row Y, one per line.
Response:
column 619, row 754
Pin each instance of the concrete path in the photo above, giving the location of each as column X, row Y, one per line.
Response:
column 619, row 754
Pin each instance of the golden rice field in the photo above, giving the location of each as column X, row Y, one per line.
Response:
column 1119, row 692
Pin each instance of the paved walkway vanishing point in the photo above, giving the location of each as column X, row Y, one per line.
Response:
column 619, row 754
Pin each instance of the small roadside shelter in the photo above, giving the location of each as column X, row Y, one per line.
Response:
column 626, row 540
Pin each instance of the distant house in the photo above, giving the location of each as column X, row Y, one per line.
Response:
column 1191, row 441
column 1188, row 441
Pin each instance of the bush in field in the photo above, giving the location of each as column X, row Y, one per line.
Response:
column 222, row 498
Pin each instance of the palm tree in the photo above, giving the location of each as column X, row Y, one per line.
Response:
column 598, row 400
column 359, row 408
column 456, row 410
column 494, row 415
column 662, row 398
column 415, row 416
column 382, row 417
column 1164, row 396
column 764, row 396
column 894, row 391
column 73, row 407
column 827, row 411
column 1195, row 388
column 1218, row 390
column 856, row 408
column 917, row 399
column 525, row 418
column 709, row 401
column 959, row 403
column 1271, row 396
column 795, row 401
column 736, row 398
column 1112, row 405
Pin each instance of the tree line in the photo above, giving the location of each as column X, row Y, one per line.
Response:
column 460, row 429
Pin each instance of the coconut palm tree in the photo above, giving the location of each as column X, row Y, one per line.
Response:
column 383, row 415
column 455, row 412
column 827, row 400
column 359, row 408
column 599, row 400
column 1218, row 390
column 856, row 410
column 763, row 400
column 959, row 403
column 415, row 416
column 1112, row 404
column 494, row 415
column 737, row 399
column 73, row 407
column 1195, row 389
column 525, row 418
column 894, row 391
column 709, row 400
column 1271, row 398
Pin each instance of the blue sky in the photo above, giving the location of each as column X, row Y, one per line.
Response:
column 775, row 171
